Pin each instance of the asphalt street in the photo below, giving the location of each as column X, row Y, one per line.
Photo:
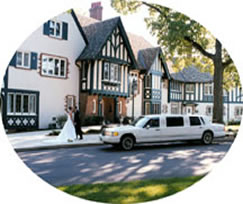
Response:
column 97, row 164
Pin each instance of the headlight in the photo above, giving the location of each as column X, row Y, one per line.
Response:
column 108, row 133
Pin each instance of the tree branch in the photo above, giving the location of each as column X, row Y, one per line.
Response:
column 227, row 63
column 199, row 47
column 153, row 7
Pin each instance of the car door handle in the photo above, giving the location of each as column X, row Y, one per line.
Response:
column 157, row 129
column 200, row 127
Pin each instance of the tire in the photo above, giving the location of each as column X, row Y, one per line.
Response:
column 127, row 143
column 207, row 138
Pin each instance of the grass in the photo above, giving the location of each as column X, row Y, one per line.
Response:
column 130, row 192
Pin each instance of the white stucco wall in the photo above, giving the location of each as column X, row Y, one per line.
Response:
column 52, row 90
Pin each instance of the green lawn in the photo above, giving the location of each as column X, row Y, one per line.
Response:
column 130, row 192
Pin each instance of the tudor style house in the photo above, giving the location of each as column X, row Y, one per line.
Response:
column 73, row 60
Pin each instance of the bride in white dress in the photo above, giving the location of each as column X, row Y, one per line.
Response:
column 68, row 133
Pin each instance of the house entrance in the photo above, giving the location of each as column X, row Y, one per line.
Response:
column 109, row 109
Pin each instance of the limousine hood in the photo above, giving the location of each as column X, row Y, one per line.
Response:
column 121, row 128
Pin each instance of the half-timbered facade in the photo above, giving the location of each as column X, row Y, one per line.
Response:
column 105, row 65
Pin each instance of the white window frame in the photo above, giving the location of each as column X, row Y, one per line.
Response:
column 208, row 89
column 174, row 108
column 22, row 104
column 238, row 111
column 53, row 25
column 49, row 66
column 94, row 106
column 22, row 64
column 106, row 70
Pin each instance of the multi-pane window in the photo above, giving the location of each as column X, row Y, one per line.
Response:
column 147, row 108
column 208, row 89
column 21, row 104
column 174, row 108
column 175, row 86
column 156, row 108
column 189, row 88
column 111, row 72
column 148, row 80
column 54, row 66
column 238, row 111
column 23, row 59
column 55, row 29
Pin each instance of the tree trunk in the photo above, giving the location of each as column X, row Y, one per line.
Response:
column 218, row 106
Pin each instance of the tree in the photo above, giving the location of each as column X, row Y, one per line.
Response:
column 189, row 43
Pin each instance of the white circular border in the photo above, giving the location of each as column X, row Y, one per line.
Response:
column 18, row 20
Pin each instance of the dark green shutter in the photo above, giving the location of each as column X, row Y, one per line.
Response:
column 34, row 60
column 64, row 31
column 13, row 60
column 46, row 28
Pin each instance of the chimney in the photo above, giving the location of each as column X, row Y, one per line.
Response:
column 96, row 11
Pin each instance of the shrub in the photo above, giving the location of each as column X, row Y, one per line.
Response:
column 93, row 120
column 60, row 120
column 234, row 122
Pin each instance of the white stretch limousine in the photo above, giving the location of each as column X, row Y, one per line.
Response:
column 163, row 128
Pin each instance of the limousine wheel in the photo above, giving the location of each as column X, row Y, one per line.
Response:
column 207, row 138
column 127, row 143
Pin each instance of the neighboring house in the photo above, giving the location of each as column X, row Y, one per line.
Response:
column 191, row 91
column 74, row 60
column 42, row 78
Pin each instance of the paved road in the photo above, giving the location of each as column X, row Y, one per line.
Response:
column 104, row 164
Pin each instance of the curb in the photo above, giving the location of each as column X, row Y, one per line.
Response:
column 25, row 149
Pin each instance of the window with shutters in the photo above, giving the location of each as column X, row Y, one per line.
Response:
column 53, row 66
column 23, row 59
column 56, row 29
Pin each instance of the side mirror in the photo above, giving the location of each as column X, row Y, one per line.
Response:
column 147, row 127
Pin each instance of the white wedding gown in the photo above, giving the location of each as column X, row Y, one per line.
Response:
column 68, row 133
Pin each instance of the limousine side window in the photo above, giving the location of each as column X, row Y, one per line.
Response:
column 194, row 121
column 202, row 120
column 153, row 123
column 174, row 121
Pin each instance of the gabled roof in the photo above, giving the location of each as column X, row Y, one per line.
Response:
column 192, row 74
column 97, row 33
column 147, row 56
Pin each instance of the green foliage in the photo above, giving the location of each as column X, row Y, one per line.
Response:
column 61, row 119
column 93, row 120
column 171, row 29
column 130, row 192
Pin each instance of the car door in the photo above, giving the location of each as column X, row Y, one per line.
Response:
column 151, row 130
column 174, row 129
column 196, row 127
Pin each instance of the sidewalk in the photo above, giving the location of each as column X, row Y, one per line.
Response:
column 39, row 140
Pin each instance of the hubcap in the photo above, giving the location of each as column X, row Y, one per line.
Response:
column 127, row 143
column 207, row 138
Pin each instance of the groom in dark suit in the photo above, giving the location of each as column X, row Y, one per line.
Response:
column 77, row 124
